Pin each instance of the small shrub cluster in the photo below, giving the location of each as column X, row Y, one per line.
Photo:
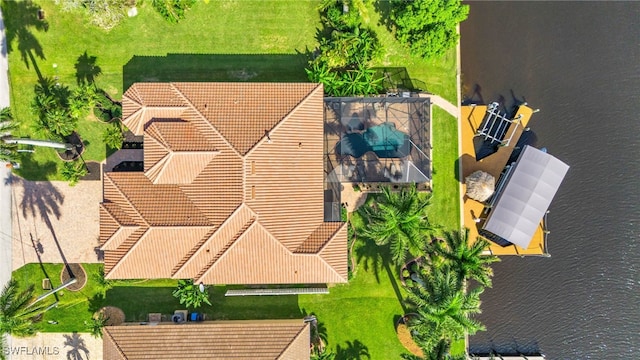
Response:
column 105, row 109
column 73, row 171
column 172, row 10
column 105, row 14
column 346, row 51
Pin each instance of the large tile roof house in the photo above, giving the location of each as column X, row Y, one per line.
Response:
column 232, row 187
column 253, row 339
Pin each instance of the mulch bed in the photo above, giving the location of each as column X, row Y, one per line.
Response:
column 94, row 171
column 78, row 272
column 404, row 335
column 115, row 316
column 78, row 148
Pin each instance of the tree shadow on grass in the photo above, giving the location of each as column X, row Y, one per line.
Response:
column 37, row 171
column 384, row 9
column 216, row 67
column 86, row 69
column 353, row 350
column 21, row 18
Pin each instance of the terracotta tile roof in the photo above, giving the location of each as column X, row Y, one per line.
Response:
column 255, row 197
column 256, row 340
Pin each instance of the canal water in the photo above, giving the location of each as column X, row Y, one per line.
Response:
column 579, row 62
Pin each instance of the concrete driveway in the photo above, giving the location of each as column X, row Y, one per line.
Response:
column 54, row 222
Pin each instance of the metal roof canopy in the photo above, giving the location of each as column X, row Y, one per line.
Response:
column 358, row 118
column 529, row 190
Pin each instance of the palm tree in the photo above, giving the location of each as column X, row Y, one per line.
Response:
column 467, row 259
column 8, row 152
column 16, row 318
column 399, row 220
column 443, row 309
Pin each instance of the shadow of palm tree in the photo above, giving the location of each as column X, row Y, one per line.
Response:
column 355, row 350
column 86, row 69
column 21, row 18
column 78, row 349
column 42, row 199
column 369, row 255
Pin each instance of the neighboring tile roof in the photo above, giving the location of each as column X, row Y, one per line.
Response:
column 232, row 191
column 255, row 339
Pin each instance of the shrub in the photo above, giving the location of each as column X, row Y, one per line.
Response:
column 172, row 10
column 428, row 27
column 190, row 295
column 102, row 13
column 113, row 136
column 73, row 171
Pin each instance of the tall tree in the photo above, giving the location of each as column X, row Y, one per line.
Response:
column 8, row 152
column 467, row 259
column 399, row 219
column 443, row 309
column 428, row 27
column 16, row 317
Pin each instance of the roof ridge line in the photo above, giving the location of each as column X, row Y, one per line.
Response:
column 225, row 222
column 115, row 185
column 188, row 101
column 333, row 236
column 293, row 340
column 128, row 252
column 281, row 121
column 106, row 330
column 253, row 220
column 328, row 266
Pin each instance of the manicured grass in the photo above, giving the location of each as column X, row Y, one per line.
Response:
column 445, row 203
column 218, row 41
column 225, row 41
column 73, row 307
column 246, row 44
column 361, row 315
column 437, row 76
column 345, row 315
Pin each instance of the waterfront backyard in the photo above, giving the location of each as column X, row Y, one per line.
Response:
column 267, row 46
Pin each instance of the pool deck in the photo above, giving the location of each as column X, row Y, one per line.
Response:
column 470, row 119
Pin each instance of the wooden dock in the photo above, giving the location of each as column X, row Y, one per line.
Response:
column 471, row 120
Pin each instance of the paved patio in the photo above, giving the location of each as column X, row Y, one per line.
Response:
column 53, row 222
column 56, row 346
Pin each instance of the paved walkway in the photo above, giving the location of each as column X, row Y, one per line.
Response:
column 56, row 346
column 454, row 110
column 54, row 222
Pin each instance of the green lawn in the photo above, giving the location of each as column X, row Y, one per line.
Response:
column 222, row 41
column 445, row 204
column 246, row 44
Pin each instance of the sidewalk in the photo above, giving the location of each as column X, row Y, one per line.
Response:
column 5, row 177
column 5, row 173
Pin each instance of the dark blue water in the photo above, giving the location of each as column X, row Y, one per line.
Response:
column 579, row 62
